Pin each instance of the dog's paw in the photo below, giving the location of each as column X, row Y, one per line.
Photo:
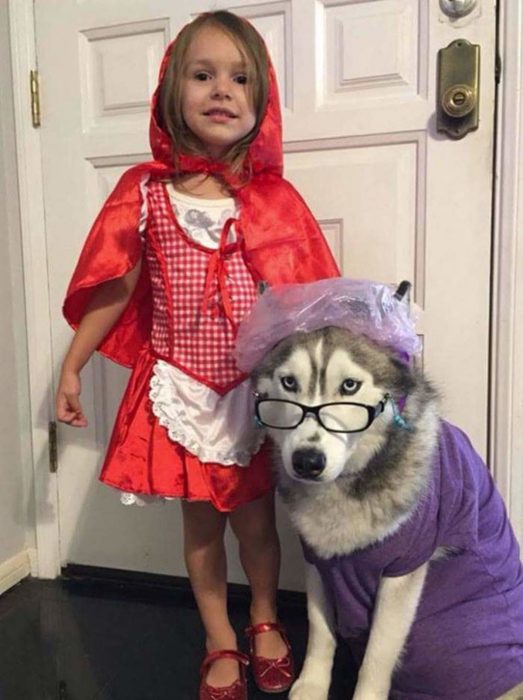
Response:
column 304, row 689
column 369, row 694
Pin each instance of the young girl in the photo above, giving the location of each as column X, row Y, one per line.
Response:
column 170, row 267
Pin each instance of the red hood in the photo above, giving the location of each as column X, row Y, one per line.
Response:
column 265, row 151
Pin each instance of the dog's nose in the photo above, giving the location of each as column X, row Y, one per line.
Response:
column 307, row 463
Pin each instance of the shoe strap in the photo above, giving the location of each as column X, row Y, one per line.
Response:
column 223, row 654
column 253, row 630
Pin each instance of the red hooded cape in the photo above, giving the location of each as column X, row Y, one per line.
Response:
column 282, row 243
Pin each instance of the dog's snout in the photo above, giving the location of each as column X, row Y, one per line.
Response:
column 307, row 463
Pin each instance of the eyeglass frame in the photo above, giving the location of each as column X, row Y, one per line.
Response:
column 372, row 411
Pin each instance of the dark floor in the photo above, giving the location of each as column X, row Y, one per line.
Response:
column 85, row 639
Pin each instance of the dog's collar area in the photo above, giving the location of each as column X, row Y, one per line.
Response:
column 335, row 416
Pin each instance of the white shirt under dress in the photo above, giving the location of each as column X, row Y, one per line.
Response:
column 213, row 427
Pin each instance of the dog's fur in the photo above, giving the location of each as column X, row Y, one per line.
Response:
column 369, row 485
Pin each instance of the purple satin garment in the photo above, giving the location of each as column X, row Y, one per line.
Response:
column 466, row 642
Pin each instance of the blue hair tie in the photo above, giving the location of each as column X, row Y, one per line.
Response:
column 398, row 419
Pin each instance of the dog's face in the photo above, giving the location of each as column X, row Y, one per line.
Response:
column 324, row 367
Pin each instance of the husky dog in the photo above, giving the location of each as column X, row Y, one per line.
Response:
column 409, row 552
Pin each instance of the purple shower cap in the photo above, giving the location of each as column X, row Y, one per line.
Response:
column 363, row 307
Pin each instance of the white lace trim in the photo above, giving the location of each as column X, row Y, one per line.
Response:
column 239, row 440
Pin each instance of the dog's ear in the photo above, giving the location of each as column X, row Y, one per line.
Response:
column 403, row 291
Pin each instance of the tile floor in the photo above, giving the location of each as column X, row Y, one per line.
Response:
column 84, row 639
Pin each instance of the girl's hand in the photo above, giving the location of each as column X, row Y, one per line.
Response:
column 68, row 407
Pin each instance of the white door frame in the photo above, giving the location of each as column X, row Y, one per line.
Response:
column 506, row 444
column 506, row 407
column 36, row 287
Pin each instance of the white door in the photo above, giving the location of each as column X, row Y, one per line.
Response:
column 396, row 199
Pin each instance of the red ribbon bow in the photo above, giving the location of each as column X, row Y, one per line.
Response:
column 216, row 277
column 281, row 664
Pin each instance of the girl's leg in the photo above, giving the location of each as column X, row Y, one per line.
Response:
column 254, row 525
column 204, row 529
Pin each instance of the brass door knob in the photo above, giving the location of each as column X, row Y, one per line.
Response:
column 458, row 101
column 457, row 8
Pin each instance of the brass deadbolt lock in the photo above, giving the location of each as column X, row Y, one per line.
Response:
column 458, row 88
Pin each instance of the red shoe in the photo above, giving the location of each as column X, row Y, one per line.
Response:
column 236, row 691
column 271, row 675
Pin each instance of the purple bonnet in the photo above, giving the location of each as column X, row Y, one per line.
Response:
column 361, row 306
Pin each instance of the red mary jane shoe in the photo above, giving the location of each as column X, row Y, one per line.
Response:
column 271, row 675
column 236, row 691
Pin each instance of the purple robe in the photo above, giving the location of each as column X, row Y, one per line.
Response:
column 466, row 642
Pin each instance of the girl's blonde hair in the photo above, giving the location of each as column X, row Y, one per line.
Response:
column 169, row 111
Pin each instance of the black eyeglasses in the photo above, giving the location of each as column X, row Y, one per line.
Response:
column 336, row 417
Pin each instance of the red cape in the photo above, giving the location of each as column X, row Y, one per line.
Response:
column 283, row 242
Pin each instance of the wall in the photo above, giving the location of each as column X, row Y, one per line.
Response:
column 16, row 502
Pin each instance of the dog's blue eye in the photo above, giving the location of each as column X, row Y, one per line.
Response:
column 289, row 383
column 350, row 386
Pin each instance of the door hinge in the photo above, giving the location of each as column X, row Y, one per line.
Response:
column 53, row 448
column 498, row 69
column 35, row 98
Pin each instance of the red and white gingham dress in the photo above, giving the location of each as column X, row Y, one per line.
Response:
column 186, row 399
column 200, row 295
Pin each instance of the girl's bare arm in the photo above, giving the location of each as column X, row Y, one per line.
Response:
column 105, row 308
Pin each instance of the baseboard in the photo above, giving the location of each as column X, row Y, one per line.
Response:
column 157, row 586
column 33, row 560
column 14, row 570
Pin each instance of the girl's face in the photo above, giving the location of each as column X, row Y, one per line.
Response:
column 216, row 102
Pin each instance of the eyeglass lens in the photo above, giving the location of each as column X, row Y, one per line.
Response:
column 342, row 416
column 338, row 416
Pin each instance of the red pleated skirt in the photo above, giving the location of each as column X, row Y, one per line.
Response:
column 142, row 459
